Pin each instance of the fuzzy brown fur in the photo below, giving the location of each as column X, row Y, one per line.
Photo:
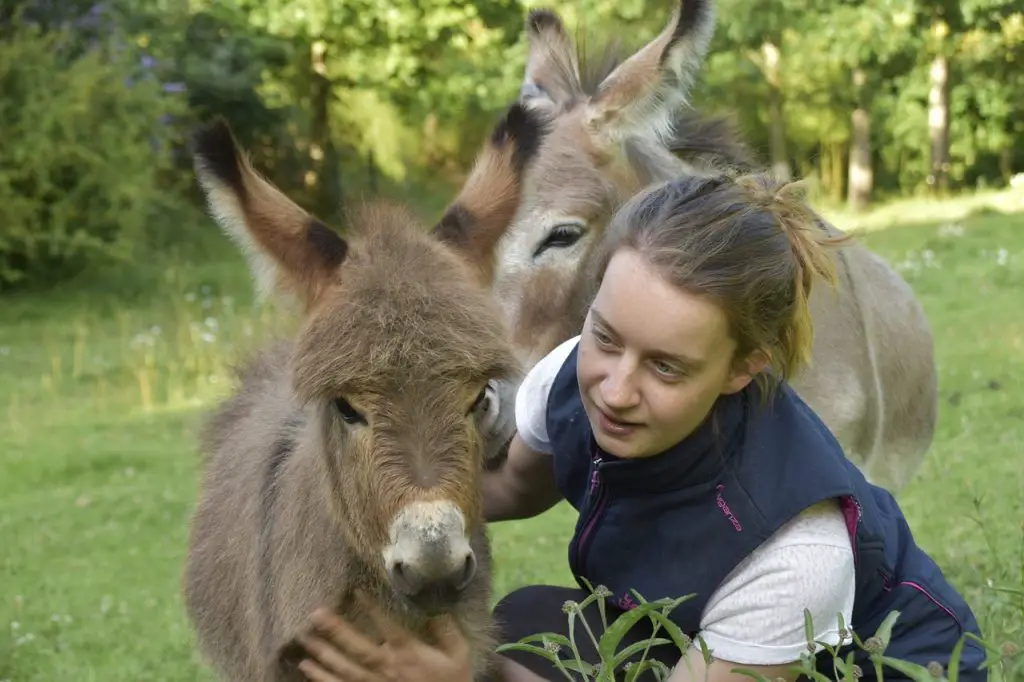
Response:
column 295, row 503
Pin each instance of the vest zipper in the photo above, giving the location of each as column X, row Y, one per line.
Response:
column 594, row 507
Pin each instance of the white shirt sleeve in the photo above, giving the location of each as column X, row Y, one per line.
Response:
column 532, row 397
column 756, row 616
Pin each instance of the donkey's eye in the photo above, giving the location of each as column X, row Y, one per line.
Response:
column 481, row 402
column 561, row 236
column 347, row 412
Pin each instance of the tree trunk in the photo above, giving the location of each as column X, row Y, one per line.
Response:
column 325, row 177
column 861, row 179
column 776, row 120
column 938, row 124
column 1006, row 164
column 838, row 172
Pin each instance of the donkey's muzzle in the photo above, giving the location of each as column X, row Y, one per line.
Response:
column 429, row 561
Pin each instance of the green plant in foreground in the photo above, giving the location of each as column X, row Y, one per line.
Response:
column 612, row 661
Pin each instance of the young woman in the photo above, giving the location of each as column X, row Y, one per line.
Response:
column 670, row 426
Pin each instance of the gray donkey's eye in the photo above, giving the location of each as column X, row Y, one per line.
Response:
column 560, row 236
column 486, row 405
column 482, row 399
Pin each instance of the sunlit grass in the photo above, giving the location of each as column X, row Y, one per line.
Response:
column 916, row 210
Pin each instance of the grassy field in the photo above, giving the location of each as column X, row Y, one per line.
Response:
column 102, row 386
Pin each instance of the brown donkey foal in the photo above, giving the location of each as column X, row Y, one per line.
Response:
column 350, row 456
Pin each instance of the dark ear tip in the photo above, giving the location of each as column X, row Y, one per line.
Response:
column 692, row 12
column 216, row 153
column 522, row 128
column 213, row 140
column 541, row 19
column 511, row 125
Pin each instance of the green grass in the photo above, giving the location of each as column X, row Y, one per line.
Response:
column 103, row 384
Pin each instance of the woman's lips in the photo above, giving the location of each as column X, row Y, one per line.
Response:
column 615, row 427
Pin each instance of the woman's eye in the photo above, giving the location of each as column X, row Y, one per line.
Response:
column 348, row 413
column 666, row 370
column 602, row 338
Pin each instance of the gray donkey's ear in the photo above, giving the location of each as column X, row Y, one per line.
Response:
column 641, row 96
column 552, row 75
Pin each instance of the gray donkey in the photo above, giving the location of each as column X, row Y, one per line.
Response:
column 603, row 129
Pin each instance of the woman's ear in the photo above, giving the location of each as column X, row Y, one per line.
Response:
column 745, row 369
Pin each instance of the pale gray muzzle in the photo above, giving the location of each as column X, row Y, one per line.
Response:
column 429, row 561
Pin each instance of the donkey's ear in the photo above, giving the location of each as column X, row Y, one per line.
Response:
column 552, row 75
column 641, row 95
column 288, row 249
column 476, row 220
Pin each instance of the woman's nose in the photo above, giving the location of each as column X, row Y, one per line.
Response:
column 619, row 389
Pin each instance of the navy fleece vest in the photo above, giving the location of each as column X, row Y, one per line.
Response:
column 679, row 522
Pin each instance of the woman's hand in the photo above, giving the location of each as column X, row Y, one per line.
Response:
column 341, row 654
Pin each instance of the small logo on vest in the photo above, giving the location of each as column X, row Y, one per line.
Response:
column 723, row 505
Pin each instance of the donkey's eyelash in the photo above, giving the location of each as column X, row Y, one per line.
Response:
column 348, row 413
column 560, row 236
column 480, row 399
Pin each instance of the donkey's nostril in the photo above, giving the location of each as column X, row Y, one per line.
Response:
column 404, row 579
column 430, row 580
column 468, row 571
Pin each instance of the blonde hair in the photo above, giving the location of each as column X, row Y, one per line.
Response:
column 749, row 242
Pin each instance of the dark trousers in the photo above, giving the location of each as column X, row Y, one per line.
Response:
column 535, row 609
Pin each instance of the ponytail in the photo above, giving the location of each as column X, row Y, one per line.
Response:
column 807, row 237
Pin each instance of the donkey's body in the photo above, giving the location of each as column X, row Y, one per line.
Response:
column 604, row 136
column 349, row 457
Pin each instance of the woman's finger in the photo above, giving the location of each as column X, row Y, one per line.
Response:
column 336, row 660
column 348, row 639
column 317, row 673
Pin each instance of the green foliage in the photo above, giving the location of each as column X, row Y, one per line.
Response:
column 81, row 163
column 607, row 645
column 407, row 91
column 612, row 660
column 892, row 43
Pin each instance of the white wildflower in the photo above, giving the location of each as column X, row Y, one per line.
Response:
column 951, row 230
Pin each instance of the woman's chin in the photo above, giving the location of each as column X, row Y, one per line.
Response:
column 623, row 449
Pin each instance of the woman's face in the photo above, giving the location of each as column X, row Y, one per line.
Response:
column 653, row 359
